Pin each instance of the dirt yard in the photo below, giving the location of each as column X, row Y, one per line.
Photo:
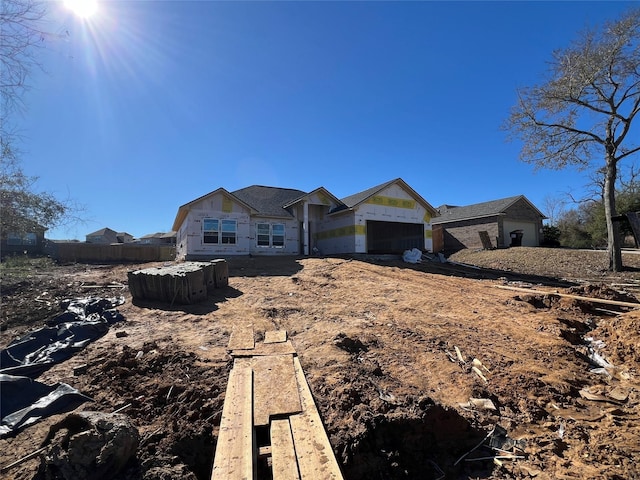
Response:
column 378, row 340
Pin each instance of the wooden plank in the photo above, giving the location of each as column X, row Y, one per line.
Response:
column 566, row 295
column 235, row 449
column 275, row 389
column 283, row 348
column 486, row 241
column 241, row 338
column 283, row 454
column 313, row 450
column 275, row 336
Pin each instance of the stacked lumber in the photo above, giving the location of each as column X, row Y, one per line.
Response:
column 267, row 389
column 184, row 283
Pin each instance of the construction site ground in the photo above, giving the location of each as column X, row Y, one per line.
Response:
column 388, row 350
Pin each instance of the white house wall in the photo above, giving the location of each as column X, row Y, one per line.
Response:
column 530, row 237
column 336, row 234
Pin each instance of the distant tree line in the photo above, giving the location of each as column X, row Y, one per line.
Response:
column 584, row 226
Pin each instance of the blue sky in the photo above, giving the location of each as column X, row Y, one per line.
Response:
column 148, row 105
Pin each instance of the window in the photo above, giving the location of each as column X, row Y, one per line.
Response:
column 268, row 235
column 219, row 231
column 262, row 232
column 277, row 235
column 21, row 239
column 229, row 228
column 210, row 227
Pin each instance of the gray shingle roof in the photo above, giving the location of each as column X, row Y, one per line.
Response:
column 102, row 231
column 356, row 198
column 268, row 201
column 477, row 210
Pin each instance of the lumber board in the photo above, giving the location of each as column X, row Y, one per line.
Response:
column 313, row 450
column 567, row 295
column 241, row 338
column 282, row 348
column 275, row 336
column 275, row 389
column 486, row 241
column 235, row 449
column 283, row 454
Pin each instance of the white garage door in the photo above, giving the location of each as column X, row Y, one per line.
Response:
column 529, row 233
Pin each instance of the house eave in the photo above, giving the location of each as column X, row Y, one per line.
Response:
column 439, row 220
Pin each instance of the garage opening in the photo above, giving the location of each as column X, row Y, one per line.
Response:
column 394, row 237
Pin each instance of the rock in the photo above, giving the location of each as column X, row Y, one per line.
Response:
column 90, row 445
column 350, row 345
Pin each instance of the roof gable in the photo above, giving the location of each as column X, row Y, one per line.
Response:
column 481, row 210
column 326, row 197
column 353, row 200
column 183, row 210
column 102, row 231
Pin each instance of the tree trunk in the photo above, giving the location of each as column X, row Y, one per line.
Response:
column 613, row 228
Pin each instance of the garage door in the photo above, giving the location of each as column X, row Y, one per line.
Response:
column 529, row 233
column 394, row 237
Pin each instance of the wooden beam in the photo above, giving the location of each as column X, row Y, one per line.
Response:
column 235, row 449
column 567, row 295
column 275, row 336
column 283, row 348
column 241, row 338
column 313, row 450
column 275, row 389
column 283, row 454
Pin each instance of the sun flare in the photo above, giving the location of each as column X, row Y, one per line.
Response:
column 82, row 8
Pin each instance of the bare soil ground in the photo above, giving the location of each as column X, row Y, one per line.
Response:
column 377, row 340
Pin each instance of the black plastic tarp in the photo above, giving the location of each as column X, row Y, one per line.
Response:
column 83, row 321
column 25, row 401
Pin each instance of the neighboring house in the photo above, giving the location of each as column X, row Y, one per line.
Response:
column 160, row 238
column 31, row 241
column 108, row 236
column 508, row 222
column 262, row 220
column 124, row 237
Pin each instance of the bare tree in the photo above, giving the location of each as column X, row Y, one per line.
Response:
column 553, row 208
column 585, row 110
column 22, row 34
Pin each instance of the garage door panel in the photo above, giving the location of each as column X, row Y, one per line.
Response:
column 394, row 237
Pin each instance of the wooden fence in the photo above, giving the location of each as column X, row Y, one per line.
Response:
column 95, row 253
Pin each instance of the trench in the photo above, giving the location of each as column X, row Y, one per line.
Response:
column 399, row 445
column 425, row 446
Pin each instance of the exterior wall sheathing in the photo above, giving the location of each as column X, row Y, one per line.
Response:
column 347, row 232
